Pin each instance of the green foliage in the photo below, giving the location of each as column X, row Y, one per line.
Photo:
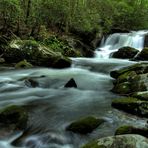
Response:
column 67, row 15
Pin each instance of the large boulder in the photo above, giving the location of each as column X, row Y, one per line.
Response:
column 15, row 116
column 133, row 84
column 127, row 76
column 126, row 129
column 139, row 68
column 85, row 125
column 125, row 53
column 120, row 141
column 132, row 105
column 34, row 53
column 143, row 55
column 131, row 79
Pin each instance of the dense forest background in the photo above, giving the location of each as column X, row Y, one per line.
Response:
column 31, row 17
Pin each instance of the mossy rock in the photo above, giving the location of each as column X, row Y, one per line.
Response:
column 35, row 54
column 122, row 88
column 85, row 125
column 14, row 115
column 143, row 55
column 125, row 53
column 62, row 62
column 127, row 76
column 141, row 95
column 139, row 68
column 71, row 53
column 131, row 130
column 23, row 64
column 119, row 141
column 93, row 144
column 132, row 105
column 129, row 83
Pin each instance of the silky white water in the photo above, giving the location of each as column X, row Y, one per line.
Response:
column 115, row 41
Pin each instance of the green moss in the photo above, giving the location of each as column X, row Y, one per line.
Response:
column 131, row 130
column 127, row 76
column 125, row 100
column 138, row 68
column 132, row 105
column 85, row 125
column 122, row 88
column 141, row 95
column 15, row 115
column 124, row 130
column 93, row 144
column 23, row 64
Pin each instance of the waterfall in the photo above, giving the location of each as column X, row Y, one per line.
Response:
column 115, row 41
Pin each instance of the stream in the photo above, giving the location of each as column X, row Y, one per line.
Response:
column 52, row 107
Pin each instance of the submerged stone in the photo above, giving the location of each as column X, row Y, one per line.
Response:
column 71, row 83
column 14, row 115
column 132, row 105
column 131, row 130
column 120, row 141
column 85, row 125
column 31, row 83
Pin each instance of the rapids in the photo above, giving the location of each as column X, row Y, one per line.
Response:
column 52, row 107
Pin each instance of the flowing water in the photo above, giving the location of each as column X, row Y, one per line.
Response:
column 52, row 107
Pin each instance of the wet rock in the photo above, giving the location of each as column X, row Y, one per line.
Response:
column 85, row 125
column 31, row 83
column 132, row 105
column 120, row 141
column 125, row 53
column 71, row 83
column 127, row 76
column 61, row 62
column 143, row 55
column 141, row 95
column 35, row 54
column 14, row 116
column 133, row 84
column 122, row 88
column 131, row 130
column 23, row 64
column 139, row 68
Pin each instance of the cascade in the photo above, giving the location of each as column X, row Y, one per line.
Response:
column 52, row 107
column 115, row 41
